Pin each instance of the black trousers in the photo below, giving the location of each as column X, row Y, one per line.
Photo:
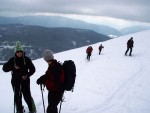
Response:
column 100, row 51
column 22, row 87
column 128, row 50
column 53, row 100
column 88, row 56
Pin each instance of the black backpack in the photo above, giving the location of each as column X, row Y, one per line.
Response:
column 69, row 74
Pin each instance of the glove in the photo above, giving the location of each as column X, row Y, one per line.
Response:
column 41, row 80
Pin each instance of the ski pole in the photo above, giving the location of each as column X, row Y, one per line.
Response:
column 14, row 99
column 61, row 102
column 42, row 98
column 60, row 106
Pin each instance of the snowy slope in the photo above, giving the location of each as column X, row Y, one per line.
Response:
column 109, row 83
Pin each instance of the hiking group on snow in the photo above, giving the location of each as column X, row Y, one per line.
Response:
column 130, row 43
column 90, row 49
column 58, row 77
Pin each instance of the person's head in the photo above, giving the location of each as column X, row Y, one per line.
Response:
column 131, row 38
column 18, row 49
column 48, row 55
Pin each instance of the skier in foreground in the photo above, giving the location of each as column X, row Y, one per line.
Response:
column 54, row 80
column 22, row 68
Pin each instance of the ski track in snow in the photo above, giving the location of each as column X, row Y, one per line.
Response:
column 121, row 92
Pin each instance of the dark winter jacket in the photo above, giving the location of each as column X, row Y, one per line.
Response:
column 89, row 49
column 100, row 47
column 53, row 78
column 25, row 64
column 130, row 43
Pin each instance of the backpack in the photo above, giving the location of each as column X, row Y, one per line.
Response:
column 89, row 49
column 69, row 69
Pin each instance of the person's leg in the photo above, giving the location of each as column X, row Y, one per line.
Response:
column 87, row 56
column 27, row 95
column 17, row 95
column 100, row 51
column 33, row 105
column 127, row 51
column 53, row 100
column 130, row 51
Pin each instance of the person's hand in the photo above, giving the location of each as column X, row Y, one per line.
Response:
column 17, row 67
column 41, row 80
column 38, row 81
column 24, row 77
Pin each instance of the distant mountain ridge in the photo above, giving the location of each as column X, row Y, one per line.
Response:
column 58, row 21
column 36, row 38
column 134, row 29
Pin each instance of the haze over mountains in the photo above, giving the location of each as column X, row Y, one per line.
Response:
column 134, row 29
column 58, row 21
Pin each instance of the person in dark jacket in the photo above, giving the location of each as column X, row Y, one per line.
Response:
column 129, row 46
column 100, row 48
column 22, row 68
column 53, row 79
column 89, row 52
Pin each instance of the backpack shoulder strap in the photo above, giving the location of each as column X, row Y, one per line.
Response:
column 57, row 71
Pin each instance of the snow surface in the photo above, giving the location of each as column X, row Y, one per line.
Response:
column 109, row 83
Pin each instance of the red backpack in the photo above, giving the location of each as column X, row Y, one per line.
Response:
column 55, row 77
column 66, row 79
column 89, row 49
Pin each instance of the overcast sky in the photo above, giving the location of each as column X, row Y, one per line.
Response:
column 132, row 10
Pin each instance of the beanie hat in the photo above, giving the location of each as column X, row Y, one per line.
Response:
column 48, row 55
column 18, row 47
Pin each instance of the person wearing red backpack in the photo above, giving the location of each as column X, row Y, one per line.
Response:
column 54, row 80
column 89, row 51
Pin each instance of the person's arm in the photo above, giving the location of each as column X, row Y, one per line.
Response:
column 8, row 66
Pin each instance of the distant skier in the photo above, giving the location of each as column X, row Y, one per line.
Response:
column 89, row 51
column 100, row 48
column 129, row 46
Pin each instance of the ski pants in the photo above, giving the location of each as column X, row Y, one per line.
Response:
column 22, row 87
column 128, row 50
column 88, row 55
column 53, row 100
column 100, row 51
